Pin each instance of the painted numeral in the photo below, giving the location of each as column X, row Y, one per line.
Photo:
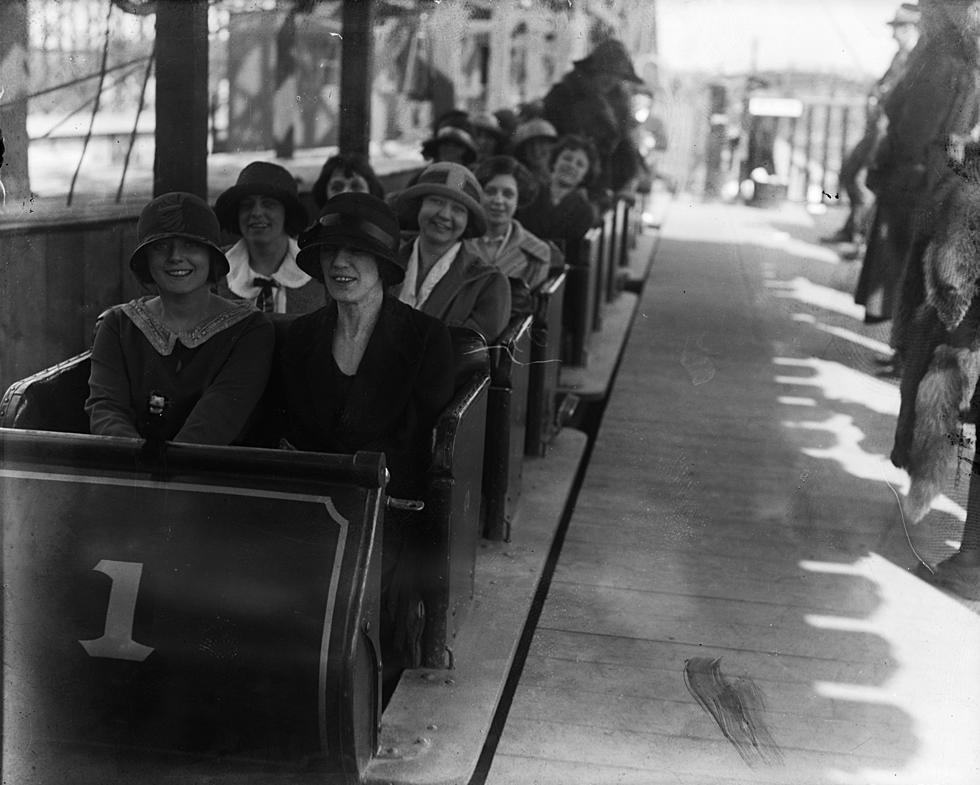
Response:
column 117, row 639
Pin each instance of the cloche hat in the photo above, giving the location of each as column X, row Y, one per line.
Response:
column 532, row 129
column 452, row 181
column 353, row 220
column 450, row 133
column 178, row 214
column 610, row 57
column 262, row 179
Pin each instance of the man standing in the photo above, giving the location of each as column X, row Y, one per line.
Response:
column 905, row 31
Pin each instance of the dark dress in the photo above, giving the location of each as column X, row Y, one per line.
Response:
column 212, row 378
column 567, row 221
column 404, row 381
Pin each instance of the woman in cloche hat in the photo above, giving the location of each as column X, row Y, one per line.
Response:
column 264, row 210
column 443, row 278
column 366, row 372
column 184, row 365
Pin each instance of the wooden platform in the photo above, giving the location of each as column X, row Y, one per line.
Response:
column 739, row 507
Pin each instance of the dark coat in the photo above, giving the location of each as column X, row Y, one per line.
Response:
column 574, row 106
column 404, row 381
column 565, row 222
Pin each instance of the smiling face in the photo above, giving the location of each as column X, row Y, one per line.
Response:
column 351, row 275
column 261, row 218
column 570, row 168
column 178, row 266
column 340, row 183
column 500, row 200
column 442, row 220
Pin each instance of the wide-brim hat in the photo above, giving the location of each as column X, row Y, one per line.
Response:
column 450, row 133
column 262, row 179
column 353, row 220
column 610, row 57
column 178, row 214
column 452, row 181
column 906, row 14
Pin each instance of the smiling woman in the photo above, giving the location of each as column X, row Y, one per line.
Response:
column 264, row 210
column 185, row 365
column 443, row 277
column 367, row 372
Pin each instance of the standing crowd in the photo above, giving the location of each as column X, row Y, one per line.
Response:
column 338, row 329
column 921, row 251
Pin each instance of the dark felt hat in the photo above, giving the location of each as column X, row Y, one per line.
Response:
column 450, row 133
column 353, row 220
column 610, row 57
column 262, row 179
column 178, row 214
column 452, row 181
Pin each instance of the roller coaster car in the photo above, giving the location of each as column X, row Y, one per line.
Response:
column 210, row 613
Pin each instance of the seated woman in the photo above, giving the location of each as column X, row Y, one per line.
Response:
column 367, row 372
column 346, row 172
column 532, row 143
column 442, row 277
column 185, row 365
column 562, row 210
column 516, row 252
column 263, row 208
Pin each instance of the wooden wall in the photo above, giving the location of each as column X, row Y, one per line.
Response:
column 56, row 279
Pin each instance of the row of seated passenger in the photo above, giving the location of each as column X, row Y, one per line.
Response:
column 479, row 440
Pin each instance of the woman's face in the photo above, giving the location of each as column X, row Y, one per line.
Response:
column 570, row 168
column 340, row 183
column 486, row 144
column 442, row 220
column 537, row 153
column 261, row 218
column 500, row 199
column 349, row 274
column 178, row 265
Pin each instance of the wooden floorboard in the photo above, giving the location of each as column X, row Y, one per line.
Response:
column 739, row 506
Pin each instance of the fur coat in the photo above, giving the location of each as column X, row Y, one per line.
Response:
column 943, row 359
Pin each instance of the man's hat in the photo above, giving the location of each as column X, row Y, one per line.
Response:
column 610, row 57
column 907, row 14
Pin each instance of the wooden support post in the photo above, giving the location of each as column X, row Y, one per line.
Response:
column 356, row 76
column 13, row 103
column 182, row 97
column 808, row 153
column 284, row 100
column 825, row 158
column 717, row 134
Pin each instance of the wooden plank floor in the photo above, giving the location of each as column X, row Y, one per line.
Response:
column 739, row 506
